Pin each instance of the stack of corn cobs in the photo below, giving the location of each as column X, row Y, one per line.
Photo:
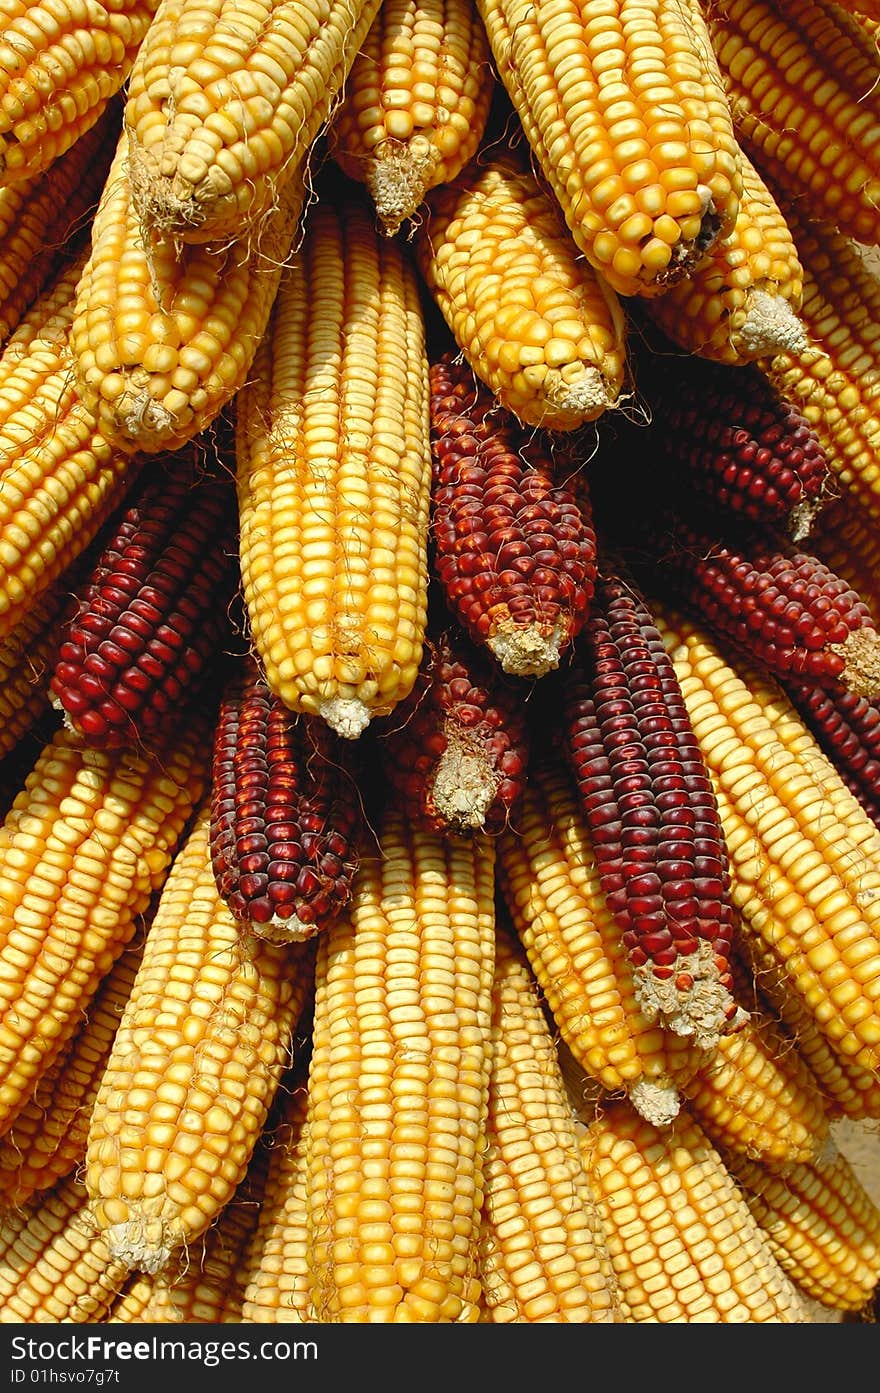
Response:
column 440, row 666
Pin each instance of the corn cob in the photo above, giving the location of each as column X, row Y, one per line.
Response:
column 848, row 729
column 285, row 813
column 742, row 301
column 756, row 1096
column 456, row 750
column 54, row 1267
column 820, row 1223
column 224, row 102
column 275, row 1264
column 207, row 1289
column 398, row 1083
column 415, row 103
column 542, row 1252
column 151, row 614
column 334, row 473
column 777, row 604
column 59, row 479
column 538, row 325
column 162, row 338
column 801, row 80
column 84, row 845
column 652, row 816
column 549, row 880
column 204, row 1038
column 514, row 551
column 41, row 215
column 734, row 441
column 624, row 109
column 682, row 1239
column 848, row 1090
column 48, row 1137
column 27, row 655
column 805, row 857
column 836, row 379
column 60, row 67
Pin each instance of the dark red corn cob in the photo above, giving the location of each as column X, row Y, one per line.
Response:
column 514, row 551
column 780, row 605
column 848, row 729
column 652, row 814
column 152, row 614
column 729, row 436
column 285, row 812
column 456, row 750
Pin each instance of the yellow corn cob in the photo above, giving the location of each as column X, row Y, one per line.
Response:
column 26, row 656
column 224, row 102
column 206, row 1033
column 623, row 106
column 820, row 1222
column 60, row 66
column 54, row 1267
column 48, row 1137
column 334, row 473
column 835, row 381
column 40, row 215
column 275, row 1265
column 756, row 1096
column 207, row 1289
column 801, row 78
column 398, row 1083
column 415, row 104
column 163, row 337
column 536, row 323
column 682, row 1240
column 542, row 1251
column 59, row 479
column 805, row 857
column 742, row 301
column 548, row 875
column 848, row 1090
column 86, row 842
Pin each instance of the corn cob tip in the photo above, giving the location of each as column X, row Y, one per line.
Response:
column 693, row 1002
column 770, row 326
column 860, row 651
column 398, row 177
column 281, row 930
column 143, row 423
column 799, row 523
column 657, row 1103
column 575, row 395
column 141, row 1244
column 528, row 650
column 348, row 716
column 464, row 786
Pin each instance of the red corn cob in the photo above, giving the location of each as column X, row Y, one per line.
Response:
column 153, row 612
column 284, row 812
column 456, row 750
column 848, row 729
column 654, row 822
column 514, row 551
column 781, row 606
column 733, row 439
